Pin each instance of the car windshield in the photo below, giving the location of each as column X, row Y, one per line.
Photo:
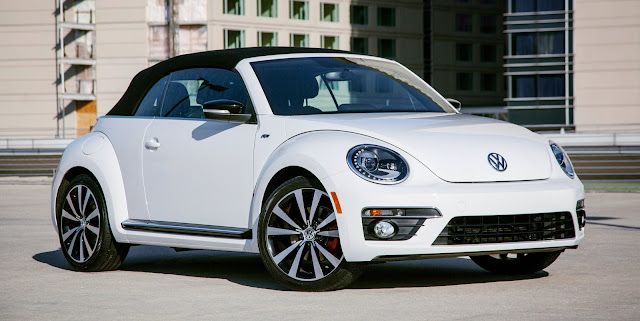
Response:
column 303, row 86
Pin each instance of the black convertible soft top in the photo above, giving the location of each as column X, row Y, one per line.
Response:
column 224, row 59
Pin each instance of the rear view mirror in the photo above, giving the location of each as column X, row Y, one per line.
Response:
column 455, row 103
column 223, row 106
column 342, row 75
column 225, row 109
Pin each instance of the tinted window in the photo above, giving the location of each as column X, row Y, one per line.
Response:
column 302, row 86
column 189, row 89
column 150, row 105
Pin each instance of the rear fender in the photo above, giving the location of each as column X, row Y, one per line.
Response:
column 95, row 154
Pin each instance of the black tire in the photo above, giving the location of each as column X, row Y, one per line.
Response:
column 83, row 227
column 320, row 264
column 522, row 263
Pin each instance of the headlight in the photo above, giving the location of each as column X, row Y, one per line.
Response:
column 563, row 159
column 378, row 164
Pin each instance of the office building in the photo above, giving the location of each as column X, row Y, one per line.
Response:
column 464, row 45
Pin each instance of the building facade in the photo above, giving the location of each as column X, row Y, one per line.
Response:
column 464, row 46
column 73, row 65
column 539, row 63
column 607, row 65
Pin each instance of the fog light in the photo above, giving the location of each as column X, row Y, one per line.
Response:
column 384, row 229
column 582, row 218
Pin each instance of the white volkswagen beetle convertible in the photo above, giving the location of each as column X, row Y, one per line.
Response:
column 320, row 161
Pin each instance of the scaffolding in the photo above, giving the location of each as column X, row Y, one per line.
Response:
column 75, row 64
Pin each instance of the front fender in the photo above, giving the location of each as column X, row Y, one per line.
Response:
column 323, row 153
column 94, row 153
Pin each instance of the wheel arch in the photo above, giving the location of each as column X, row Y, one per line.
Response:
column 316, row 156
column 94, row 155
column 286, row 174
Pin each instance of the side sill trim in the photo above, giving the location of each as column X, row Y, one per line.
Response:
column 385, row 258
column 187, row 229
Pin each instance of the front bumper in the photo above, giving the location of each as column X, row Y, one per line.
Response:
column 557, row 194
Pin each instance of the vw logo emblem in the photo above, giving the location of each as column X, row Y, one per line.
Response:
column 497, row 162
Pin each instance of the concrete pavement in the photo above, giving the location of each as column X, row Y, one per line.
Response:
column 600, row 280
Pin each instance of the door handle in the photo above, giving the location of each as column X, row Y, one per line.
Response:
column 152, row 144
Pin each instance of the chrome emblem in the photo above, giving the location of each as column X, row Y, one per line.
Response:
column 497, row 162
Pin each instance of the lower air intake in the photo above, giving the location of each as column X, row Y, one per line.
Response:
column 507, row 228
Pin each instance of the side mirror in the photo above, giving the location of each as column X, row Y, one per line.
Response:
column 223, row 106
column 456, row 103
column 225, row 109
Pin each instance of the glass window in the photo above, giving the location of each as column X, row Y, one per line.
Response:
column 488, row 24
column 550, row 85
column 330, row 42
column 524, row 86
column 550, row 5
column 463, row 22
column 359, row 15
column 386, row 17
column 235, row 7
column 233, row 38
column 387, row 48
column 360, row 45
column 550, row 43
column 524, row 5
column 537, row 5
column 329, row 12
column 523, row 44
column 543, row 43
column 488, row 53
column 539, row 86
column 301, row 86
column 267, row 39
column 299, row 10
column 299, row 40
column 488, row 82
column 150, row 105
column 464, row 81
column 268, row 8
column 464, row 52
column 488, row 2
column 189, row 89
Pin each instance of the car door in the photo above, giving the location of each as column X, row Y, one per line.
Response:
column 126, row 135
column 197, row 170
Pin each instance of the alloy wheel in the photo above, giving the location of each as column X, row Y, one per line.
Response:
column 302, row 235
column 80, row 223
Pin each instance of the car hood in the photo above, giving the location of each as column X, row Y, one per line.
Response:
column 455, row 147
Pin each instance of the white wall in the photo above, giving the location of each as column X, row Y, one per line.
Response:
column 27, row 69
column 607, row 65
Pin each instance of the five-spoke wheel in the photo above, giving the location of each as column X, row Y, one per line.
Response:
column 299, row 239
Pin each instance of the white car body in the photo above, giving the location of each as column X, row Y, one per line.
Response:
column 445, row 152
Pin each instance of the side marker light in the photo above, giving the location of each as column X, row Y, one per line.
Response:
column 334, row 196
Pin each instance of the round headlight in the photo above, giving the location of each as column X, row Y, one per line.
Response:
column 562, row 159
column 378, row 164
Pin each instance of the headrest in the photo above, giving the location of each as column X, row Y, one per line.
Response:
column 176, row 92
column 303, row 87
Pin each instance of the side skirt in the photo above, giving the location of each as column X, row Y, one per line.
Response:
column 187, row 229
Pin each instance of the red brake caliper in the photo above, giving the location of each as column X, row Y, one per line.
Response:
column 333, row 243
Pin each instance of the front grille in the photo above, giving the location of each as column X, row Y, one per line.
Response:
column 507, row 228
